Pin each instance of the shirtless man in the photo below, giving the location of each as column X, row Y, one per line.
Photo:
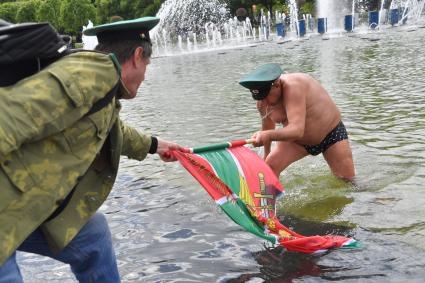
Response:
column 311, row 120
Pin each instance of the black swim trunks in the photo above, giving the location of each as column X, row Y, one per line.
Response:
column 339, row 133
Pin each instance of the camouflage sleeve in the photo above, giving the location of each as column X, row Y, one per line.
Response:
column 135, row 144
column 53, row 99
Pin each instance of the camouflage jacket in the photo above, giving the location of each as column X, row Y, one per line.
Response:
column 48, row 146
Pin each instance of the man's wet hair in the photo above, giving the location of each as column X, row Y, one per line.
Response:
column 124, row 49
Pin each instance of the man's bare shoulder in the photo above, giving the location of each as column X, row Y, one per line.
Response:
column 301, row 82
column 294, row 78
column 296, row 83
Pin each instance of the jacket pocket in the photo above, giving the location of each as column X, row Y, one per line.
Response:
column 17, row 172
column 103, row 121
column 69, row 84
column 9, row 193
column 86, row 137
column 82, row 139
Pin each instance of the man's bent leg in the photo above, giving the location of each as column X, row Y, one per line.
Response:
column 9, row 271
column 90, row 254
column 283, row 155
column 340, row 159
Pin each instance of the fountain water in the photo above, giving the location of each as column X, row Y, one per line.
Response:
column 407, row 9
column 382, row 14
column 280, row 24
column 182, row 17
column 89, row 42
column 265, row 25
column 193, row 21
column 410, row 9
column 334, row 11
column 201, row 25
column 190, row 21
column 353, row 11
column 198, row 25
column 293, row 13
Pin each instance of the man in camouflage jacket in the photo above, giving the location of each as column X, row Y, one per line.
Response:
column 58, row 162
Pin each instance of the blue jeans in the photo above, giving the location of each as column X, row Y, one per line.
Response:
column 90, row 254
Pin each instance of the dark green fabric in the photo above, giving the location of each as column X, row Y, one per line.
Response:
column 136, row 29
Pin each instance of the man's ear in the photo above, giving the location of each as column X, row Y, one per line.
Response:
column 138, row 55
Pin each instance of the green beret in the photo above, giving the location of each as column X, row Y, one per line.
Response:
column 260, row 81
column 136, row 29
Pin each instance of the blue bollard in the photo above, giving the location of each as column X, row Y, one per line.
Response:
column 373, row 19
column 348, row 23
column 322, row 25
column 280, row 29
column 394, row 17
column 301, row 28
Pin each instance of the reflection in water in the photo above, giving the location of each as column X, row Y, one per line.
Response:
column 280, row 266
column 167, row 229
column 312, row 228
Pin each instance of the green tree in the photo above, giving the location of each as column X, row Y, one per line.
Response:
column 76, row 13
column 369, row 5
column 27, row 11
column 151, row 8
column 105, row 9
column 268, row 5
column 49, row 11
column 127, row 9
column 281, row 7
column 236, row 4
column 308, row 7
column 8, row 11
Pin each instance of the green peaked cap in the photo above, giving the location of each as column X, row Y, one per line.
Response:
column 261, row 77
column 129, row 29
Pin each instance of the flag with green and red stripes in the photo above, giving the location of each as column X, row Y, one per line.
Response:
column 246, row 189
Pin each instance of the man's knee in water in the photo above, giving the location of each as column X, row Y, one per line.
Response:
column 274, row 166
column 345, row 170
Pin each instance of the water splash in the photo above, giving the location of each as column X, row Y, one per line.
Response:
column 195, row 25
column 410, row 9
column 293, row 11
column 89, row 42
column 334, row 11
column 185, row 17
